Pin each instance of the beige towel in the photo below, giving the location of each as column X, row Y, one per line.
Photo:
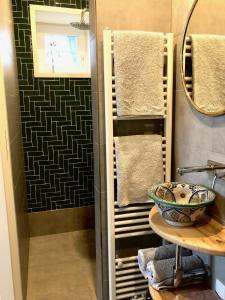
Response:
column 208, row 55
column 138, row 59
column 139, row 165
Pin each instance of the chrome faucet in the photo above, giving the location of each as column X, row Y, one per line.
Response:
column 213, row 168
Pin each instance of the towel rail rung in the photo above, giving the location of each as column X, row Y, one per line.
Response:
column 131, row 282
column 128, row 277
column 131, row 208
column 140, row 118
column 189, row 86
column 188, row 78
column 127, row 265
column 124, row 272
column 187, row 47
column 131, row 295
column 137, row 233
column 131, row 228
column 125, row 259
column 132, row 215
column 132, row 288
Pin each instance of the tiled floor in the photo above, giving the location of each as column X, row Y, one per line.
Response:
column 62, row 267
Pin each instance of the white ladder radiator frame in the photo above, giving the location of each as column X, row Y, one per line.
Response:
column 125, row 279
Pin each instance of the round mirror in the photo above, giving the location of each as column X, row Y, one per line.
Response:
column 203, row 57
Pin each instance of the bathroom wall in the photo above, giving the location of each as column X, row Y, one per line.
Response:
column 13, row 189
column 197, row 137
column 56, row 126
column 150, row 15
column 6, row 283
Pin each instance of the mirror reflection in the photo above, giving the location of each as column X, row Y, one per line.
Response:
column 60, row 40
column 203, row 57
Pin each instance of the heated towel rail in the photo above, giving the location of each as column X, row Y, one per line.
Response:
column 125, row 279
column 187, row 66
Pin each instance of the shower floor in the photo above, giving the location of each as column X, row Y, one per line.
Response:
column 62, row 267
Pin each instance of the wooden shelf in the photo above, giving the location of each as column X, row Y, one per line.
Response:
column 194, row 292
column 206, row 236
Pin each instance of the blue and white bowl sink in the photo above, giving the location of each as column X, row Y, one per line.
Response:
column 181, row 204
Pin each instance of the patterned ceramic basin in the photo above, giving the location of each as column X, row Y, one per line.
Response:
column 181, row 204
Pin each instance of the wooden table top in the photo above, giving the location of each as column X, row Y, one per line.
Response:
column 206, row 236
column 200, row 292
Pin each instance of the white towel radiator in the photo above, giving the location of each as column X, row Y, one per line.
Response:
column 125, row 279
column 187, row 66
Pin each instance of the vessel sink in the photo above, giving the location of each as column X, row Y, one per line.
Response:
column 181, row 204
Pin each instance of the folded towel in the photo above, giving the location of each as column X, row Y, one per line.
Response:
column 161, row 272
column 208, row 56
column 138, row 59
column 159, row 253
column 139, row 164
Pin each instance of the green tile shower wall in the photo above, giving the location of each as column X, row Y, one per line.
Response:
column 57, row 125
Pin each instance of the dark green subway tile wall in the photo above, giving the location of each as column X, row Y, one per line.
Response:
column 57, row 125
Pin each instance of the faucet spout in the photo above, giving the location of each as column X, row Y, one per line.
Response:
column 210, row 167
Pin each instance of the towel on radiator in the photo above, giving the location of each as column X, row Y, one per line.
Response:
column 161, row 272
column 159, row 253
column 138, row 60
column 208, row 64
column 139, row 164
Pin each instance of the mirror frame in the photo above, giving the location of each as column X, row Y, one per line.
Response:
column 213, row 114
column 33, row 8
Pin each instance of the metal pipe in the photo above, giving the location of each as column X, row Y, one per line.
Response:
column 194, row 169
column 178, row 272
column 214, row 182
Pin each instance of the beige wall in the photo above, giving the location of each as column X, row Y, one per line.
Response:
column 149, row 15
column 12, row 154
column 197, row 137
column 204, row 16
column 6, row 282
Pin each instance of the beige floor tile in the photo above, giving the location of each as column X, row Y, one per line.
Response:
column 48, row 249
column 62, row 267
